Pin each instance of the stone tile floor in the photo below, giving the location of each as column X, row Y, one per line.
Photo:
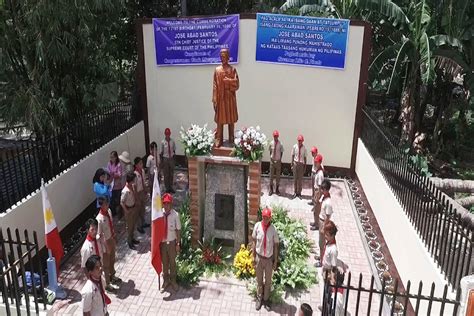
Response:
column 139, row 295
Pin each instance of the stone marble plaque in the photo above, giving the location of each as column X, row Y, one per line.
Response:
column 225, row 180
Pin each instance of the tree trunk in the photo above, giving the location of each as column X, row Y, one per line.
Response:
column 453, row 185
column 409, row 104
column 466, row 202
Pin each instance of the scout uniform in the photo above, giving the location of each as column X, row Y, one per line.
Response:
column 94, row 299
column 168, row 150
column 168, row 245
column 91, row 246
column 265, row 239
column 141, row 197
column 325, row 213
column 152, row 162
column 318, row 180
column 314, row 152
column 105, row 229
column 298, row 154
column 276, row 152
column 128, row 199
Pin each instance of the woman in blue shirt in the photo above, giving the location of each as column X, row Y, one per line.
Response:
column 101, row 188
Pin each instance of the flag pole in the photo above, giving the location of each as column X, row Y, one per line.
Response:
column 159, row 282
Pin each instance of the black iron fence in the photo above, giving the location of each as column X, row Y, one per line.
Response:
column 354, row 299
column 24, row 164
column 449, row 240
column 21, row 279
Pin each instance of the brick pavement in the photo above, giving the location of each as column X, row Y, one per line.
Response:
column 139, row 295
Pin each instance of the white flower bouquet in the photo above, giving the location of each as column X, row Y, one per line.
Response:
column 197, row 141
column 249, row 144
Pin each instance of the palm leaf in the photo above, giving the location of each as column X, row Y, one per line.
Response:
column 289, row 4
column 384, row 57
column 387, row 8
column 403, row 52
column 426, row 65
column 311, row 8
column 442, row 39
column 451, row 61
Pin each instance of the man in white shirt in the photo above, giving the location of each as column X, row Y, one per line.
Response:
column 317, row 192
column 94, row 299
column 314, row 152
column 276, row 152
column 169, row 247
column 167, row 153
column 298, row 165
column 325, row 213
column 141, row 194
column 265, row 257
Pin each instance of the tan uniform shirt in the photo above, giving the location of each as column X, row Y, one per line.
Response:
column 139, row 180
column 173, row 225
column 330, row 256
column 104, row 228
column 276, row 153
column 326, row 208
column 297, row 151
column 91, row 299
column 318, row 179
column 127, row 197
column 272, row 238
column 88, row 249
column 164, row 148
column 151, row 163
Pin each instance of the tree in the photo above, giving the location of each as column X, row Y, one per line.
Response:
column 55, row 61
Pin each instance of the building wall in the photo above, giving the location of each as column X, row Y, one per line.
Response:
column 410, row 255
column 318, row 103
column 71, row 191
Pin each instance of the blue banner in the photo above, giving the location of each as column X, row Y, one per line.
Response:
column 196, row 41
column 302, row 40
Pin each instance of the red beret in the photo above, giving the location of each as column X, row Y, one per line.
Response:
column 318, row 158
column 167, row 131
column 167, row 198
column 276, row 133
column 300, row 138
column 314, row 150
column 267, row 212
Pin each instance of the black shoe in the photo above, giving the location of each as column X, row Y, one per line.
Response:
column 299, row 196
column 312, row 224
column 258, row 305
column 135, row 242
column 310, row 203
column 294, row 196
column 268, row 306
column 146, row 225
column 172, row 191
column 270, row 193
column 131, row 246
column 313, row 228
column 141, row 230
column 277, row 192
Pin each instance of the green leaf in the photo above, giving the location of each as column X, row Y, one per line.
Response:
column 426, row 65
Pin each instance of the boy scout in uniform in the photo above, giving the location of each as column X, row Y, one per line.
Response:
column 265, row 257
column 169, row 247
column 276, row 152
column 168, row 150
column 298, row 164
column 128, row 202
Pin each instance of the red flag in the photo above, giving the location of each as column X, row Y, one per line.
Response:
column 53, row 240
column 157, row 226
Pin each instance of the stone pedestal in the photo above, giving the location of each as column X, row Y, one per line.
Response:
column 228, row 182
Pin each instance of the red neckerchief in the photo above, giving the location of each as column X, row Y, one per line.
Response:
column 140, row 171
column 105, row 298
column 324, row 249
column 96, row 245
column 324, row 197
column 265, row 228
column 274, row 148
column 169, row 148
column 339, row 290
column 111, row 225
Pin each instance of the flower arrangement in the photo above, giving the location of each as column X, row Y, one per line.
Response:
column 249, row 144
column 197, row 141
column 243, row 263
column 213, row 256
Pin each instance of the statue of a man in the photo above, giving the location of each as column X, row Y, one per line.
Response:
column 226, row 83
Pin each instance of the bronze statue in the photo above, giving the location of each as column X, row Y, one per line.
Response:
column 226, row 83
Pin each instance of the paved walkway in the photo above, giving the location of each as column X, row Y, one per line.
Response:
column 139, row 293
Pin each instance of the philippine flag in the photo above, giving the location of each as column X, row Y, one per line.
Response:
column 157, row 226
column 53, row 241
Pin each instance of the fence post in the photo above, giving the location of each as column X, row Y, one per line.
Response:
column 467, row 296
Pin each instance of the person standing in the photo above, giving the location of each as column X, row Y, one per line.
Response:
column 100, row 185
column 106, row 231
column 170, row 246
column 152, row 162
column 128, row 203
column 276, row 153
column 298, row 165
column 167, row 153
column 324, row 215
column 115, row 170
column 141, row 194
column 318, row 181
column 265, row 257
column 94, row 299
column 314, row 152
column 224, row 99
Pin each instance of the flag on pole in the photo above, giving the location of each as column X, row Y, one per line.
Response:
column 53, row 241
column 157, row 225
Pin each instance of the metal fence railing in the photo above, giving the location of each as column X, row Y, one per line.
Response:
column 23, row 165
column 448, row 239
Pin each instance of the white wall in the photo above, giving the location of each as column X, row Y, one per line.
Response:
column 318, row 103
column 71, row 192
column 410, row 256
